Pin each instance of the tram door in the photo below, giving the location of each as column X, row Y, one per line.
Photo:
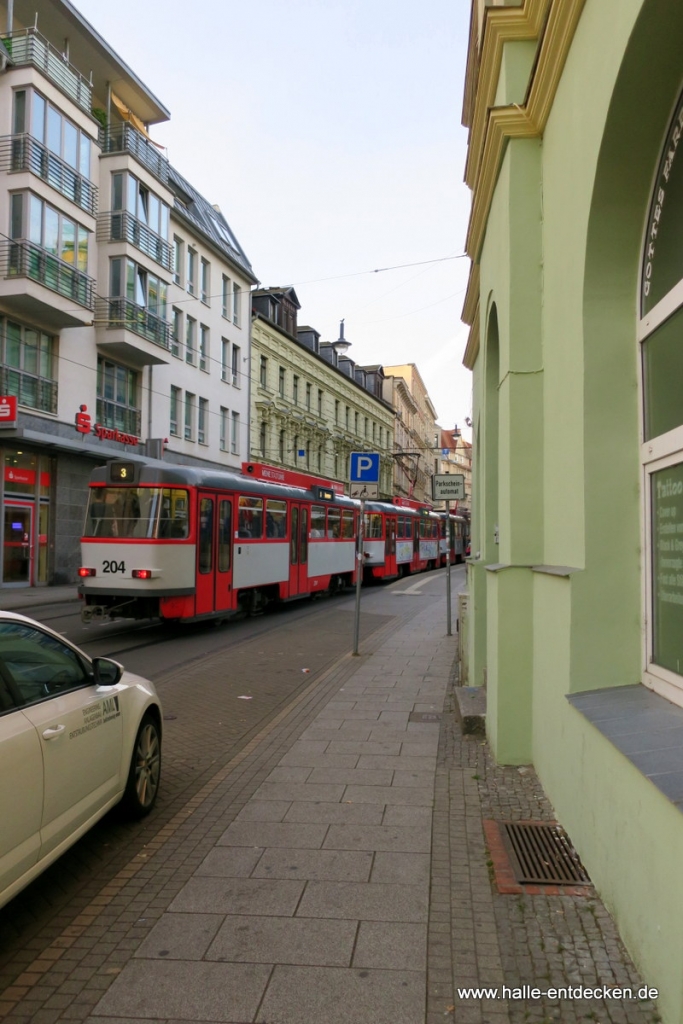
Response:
column 214, row 553
column 390, row 547
column 298, row 550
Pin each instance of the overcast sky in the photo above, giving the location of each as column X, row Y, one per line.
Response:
column 328, row 132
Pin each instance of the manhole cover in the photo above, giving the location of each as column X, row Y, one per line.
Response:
column 541, row 854
column 425, row 717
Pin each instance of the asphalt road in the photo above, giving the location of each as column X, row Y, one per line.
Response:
column 269, row 659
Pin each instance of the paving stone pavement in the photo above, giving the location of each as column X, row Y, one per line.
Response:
column 335, row 873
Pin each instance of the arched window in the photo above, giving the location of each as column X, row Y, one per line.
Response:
column 660, row 333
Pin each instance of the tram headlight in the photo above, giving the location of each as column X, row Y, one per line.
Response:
column 141, row 574
column 87, row 572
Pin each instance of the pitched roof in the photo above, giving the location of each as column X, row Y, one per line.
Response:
column 208, row 220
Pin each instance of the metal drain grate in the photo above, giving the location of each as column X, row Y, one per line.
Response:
column 542, row 854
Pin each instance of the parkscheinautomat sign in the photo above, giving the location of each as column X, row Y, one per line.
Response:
column 448, row 487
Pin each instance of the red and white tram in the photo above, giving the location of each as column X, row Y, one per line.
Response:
column 178, row 542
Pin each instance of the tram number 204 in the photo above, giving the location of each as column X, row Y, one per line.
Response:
column 112, row 566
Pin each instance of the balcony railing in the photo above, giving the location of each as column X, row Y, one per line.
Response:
column 121, row 226
column 24, row 153
column 21, row 258
column 33, row 392
column 124, row 138
column 118, row 417
column 117, row 312
column 30, row 47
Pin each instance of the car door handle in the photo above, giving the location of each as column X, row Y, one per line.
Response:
column 53, row 732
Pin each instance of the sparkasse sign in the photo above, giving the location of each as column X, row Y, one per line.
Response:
column 448, row 487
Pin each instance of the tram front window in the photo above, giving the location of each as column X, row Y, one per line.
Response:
column 154, row 513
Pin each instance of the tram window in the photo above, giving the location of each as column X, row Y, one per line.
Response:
column 250, row 523
column 294, row 537
column 422, row 527
column 334, row 523
column 348, row 524
column 400, row 527
column 224, row 534
column 317, row 520
column 304, row 536
column 373, row 525
column 276, row 519
column 205, row 535
column 139, row 512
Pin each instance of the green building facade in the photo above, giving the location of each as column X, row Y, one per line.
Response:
column 575, row 302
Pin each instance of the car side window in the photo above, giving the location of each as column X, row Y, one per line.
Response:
column 7, row 702
column 38, row 664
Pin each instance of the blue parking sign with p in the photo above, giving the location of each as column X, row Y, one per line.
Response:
column 364, row 468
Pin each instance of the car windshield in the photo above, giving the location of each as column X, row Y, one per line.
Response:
column 158, row 513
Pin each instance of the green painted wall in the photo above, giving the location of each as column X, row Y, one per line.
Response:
column 561, row 263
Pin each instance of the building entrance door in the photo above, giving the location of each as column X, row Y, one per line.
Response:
column 17, row 563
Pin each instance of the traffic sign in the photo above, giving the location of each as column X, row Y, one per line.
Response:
column 364, row 475
column 448, row 487
column 364, row 468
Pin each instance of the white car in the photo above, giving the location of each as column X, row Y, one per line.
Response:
column 77, row 735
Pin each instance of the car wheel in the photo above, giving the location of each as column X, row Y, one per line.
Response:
column 145, row 769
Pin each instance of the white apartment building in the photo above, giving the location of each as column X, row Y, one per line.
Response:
column 97, row 343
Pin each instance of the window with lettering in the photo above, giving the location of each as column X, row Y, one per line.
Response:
column 660, row 333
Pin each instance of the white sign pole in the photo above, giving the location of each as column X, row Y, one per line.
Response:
column 360, row 560
column 449, row 631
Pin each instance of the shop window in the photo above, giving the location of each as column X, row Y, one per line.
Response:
column 659, row 332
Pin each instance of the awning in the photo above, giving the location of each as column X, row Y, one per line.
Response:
column 133, row 119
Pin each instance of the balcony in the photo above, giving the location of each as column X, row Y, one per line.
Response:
column 121, row 226
column 31, row 391
column 118, row 316
column 24, row 153
column 27, row 271
column 30, row 47
column 124, row 138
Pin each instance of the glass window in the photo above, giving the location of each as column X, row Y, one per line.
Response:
column 308, row 397
column 191, row 276
column 276, row 519
column 235, row 433
column 224, row 535
column 667, row 567
column 235, row 366
column 225, row 414
column 139, row 512
column 175, row 407
column 118, row 397
column 204, row 348
column 317, row 521
column 189, row 416
column 190, row 340
column 663, row 372
column 294, row 537
column 334, row 523
column 263, row 372
column 281, row 382
column 295, row 389
column 39, row 665
column 373, row 525
column 250, row 521
column 205, row 282
column 225, row 297
column 205, row 560
column 28, row 357
column 203, row 421
column 303, row 545
column 348, row 524
column 236, row 304
column 177, row 333
column 177, row 260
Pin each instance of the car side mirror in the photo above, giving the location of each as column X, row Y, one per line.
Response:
column 106, row 672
